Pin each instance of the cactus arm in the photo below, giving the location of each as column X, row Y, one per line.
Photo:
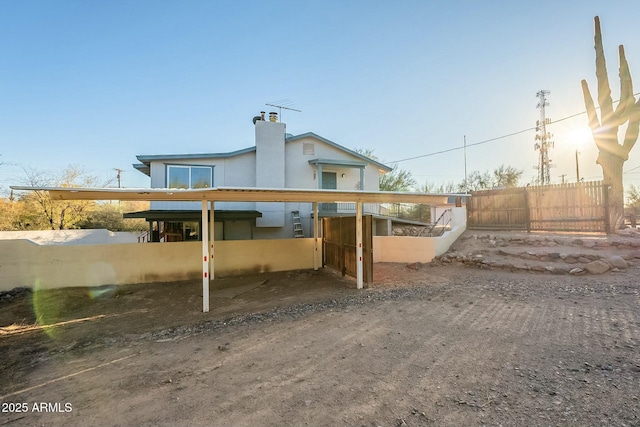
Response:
column 604, row 90
column 594, row 123
column 626, row 90
column 633, row 128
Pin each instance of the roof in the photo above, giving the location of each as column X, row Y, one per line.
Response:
column 381, row 166
column 146, row 160
column 235, row 194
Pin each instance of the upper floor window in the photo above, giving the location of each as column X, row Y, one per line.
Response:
column 179, row 176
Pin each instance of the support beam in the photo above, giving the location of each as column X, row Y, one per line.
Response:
column 205, row 256
column 359, row 269
column 212, row 238
column 319, row 177
column 316, row 220
column 361, row 178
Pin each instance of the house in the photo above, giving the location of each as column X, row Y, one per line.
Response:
column 278, row 160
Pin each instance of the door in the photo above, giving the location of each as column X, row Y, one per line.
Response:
column 329, row 182
column 339, row 245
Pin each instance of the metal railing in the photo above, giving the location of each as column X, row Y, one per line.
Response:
column 407, row 211
column 441, row 225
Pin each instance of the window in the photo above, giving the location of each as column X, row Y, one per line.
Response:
column 189, row 176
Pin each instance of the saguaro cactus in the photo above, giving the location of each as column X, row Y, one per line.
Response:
column 611, row 154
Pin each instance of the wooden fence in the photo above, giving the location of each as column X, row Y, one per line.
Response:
column 581, row 207
column 339, row 245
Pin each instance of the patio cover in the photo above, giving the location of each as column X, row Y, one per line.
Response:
column 244, row 194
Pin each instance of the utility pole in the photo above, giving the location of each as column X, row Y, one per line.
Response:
column 118, row 175
column 466, row 183
column 543, row 140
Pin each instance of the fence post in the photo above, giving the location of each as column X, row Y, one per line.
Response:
column 527, row 213
column 607, row 218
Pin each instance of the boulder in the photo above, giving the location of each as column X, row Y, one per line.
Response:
column 617, row 261
column 597, row 267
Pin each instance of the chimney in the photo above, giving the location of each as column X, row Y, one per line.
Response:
column 273, row 117
column 270, row 168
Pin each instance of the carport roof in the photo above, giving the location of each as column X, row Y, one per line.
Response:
column 238, row 194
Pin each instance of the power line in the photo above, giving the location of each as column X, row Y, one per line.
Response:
column 492, row 139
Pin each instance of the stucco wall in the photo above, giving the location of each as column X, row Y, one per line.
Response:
column 27, row 264
column 403, row 249
column 458, row 226
column 236, row 171
column 419, row 249
column 24, row 263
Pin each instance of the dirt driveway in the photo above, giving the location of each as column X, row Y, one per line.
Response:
column 446, row 345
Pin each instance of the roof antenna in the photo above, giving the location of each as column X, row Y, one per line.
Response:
column 282, row 104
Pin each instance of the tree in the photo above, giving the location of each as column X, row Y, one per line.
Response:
column 633, row 196
column 110, row 216
column 506, row 176
column 449, row 187
column 58, row 214
column 502, row 176
column 396, row 180
column 612, row 155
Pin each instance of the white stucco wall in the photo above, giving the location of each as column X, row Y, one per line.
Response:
column 300, row 174
column 458, row 226
column 236, row 171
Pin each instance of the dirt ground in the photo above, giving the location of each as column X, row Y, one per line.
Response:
column 427, row 346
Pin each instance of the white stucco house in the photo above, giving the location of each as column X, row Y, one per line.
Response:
column 278, row 160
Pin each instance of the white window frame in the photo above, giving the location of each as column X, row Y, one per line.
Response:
column 189, row 168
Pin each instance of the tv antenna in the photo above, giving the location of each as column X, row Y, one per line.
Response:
column 282, row 104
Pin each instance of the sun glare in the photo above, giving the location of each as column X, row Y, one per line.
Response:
column 580, row 136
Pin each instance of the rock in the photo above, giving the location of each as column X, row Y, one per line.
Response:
column 576, row 271
column 617, row 261
column 588, row 244
column 570, row 260
column 584, row 260
column 597, row 267
column 416, row 265
column 556, row 270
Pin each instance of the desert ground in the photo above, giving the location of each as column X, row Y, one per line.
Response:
column 445, row 344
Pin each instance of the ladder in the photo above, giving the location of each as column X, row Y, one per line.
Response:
column 297, row 225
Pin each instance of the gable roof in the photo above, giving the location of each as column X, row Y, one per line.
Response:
column 145, row 160
column 381, row 166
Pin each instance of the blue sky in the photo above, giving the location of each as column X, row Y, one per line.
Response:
column 96, row 83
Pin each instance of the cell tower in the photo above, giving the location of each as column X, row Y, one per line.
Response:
column 543, row 141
